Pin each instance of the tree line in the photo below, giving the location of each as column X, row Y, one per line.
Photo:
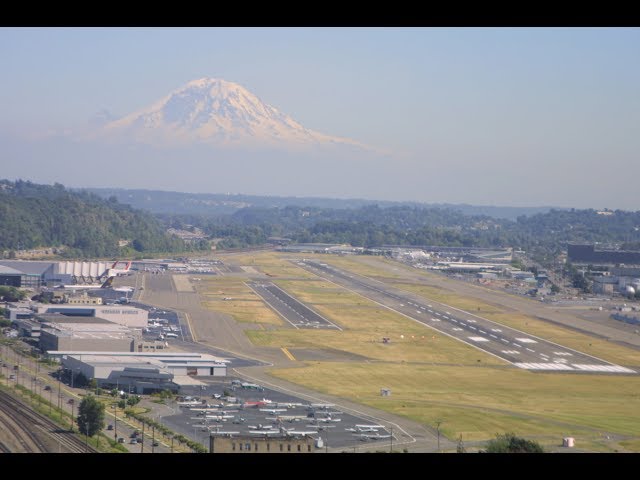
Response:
column 84, row 224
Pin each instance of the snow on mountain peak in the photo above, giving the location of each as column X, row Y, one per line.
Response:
column 220, row 112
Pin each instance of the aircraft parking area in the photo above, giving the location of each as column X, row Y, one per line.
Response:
column 261, row 412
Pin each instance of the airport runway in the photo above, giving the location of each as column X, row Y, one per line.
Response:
column 289, row 308
column 514, row 346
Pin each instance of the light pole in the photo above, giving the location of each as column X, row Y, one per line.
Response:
column 153, row 438
column 438, row 422
column 72, row 402
column 115, row 422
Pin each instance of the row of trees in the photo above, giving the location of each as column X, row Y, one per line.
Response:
column 544, row 235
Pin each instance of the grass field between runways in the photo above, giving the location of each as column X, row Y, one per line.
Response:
column 365, row 323
column 242, row 303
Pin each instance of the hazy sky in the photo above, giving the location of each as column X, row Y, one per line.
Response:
column 508, row 116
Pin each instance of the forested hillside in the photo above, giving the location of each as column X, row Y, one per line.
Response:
column 33, row 215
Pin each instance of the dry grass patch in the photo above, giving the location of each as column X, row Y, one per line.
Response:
column 244, row 306
column 479, row 402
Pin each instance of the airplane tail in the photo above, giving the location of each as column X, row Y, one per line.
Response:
column 108, row 283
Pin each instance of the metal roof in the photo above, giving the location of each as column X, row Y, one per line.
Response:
column 27, row 267
column 9, row 271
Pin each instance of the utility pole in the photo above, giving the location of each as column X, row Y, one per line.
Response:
column 142, row 443
column 438, row 422
column 153, row 438
column 72, row 402
column 391, row 442
column 115, row 422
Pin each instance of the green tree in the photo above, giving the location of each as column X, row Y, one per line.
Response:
column 555, row 288
column 90, row 416
column 11, row 294
column 509, row 443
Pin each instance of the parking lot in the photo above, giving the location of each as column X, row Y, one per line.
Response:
column 232, row 406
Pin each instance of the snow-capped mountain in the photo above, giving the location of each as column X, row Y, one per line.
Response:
column 218, row 112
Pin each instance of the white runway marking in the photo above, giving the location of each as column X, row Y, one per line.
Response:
column 511, row 352
column 435, row 319
column 543, row 366
column 471, row 321
column 492, row 335
column 430, row 311
column 496, row 330
column 504, row 340
column 531, row 350
column 517, row 344
column 454, row 320
column 602, row 368
column 473, row 328
column 478, row 339
column 526, row 340
column 456, row 329
column 481, row 331
column 563, row 354
column 438, row 313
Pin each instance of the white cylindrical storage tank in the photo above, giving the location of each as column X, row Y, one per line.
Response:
column 568, row 442
column 630, row 291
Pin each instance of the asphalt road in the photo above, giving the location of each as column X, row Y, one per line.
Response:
column 521, row 349
column 289, row 308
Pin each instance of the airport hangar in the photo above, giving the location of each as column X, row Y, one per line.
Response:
column 142, row 372
column 131, row 317
column 36, row 274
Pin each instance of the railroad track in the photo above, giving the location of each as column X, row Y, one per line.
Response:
column 30, row 426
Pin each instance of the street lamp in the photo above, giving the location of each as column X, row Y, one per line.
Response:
column 72, row 402
column 438, row 422
column 115, row 423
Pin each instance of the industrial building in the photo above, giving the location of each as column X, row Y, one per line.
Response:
column 587, row 254
column 25, row 274
column 33, row 274
column 121, row 314
column 257, row 444
column 142, row 372
column 83, row 333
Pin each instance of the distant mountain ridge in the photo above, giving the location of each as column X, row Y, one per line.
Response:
column 157, row 201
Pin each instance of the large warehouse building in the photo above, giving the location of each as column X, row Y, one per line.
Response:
column 142, row 372
column 88, row 334
column 121, row 314
column 32, row 274
column 587, row 254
